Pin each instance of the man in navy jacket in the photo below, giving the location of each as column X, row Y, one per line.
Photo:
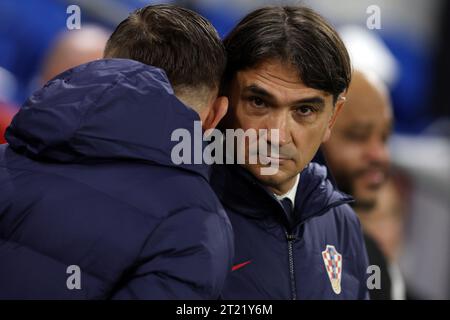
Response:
column 91, row 204
column 296, row 237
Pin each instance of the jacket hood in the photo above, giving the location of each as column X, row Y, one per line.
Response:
column 106, row 110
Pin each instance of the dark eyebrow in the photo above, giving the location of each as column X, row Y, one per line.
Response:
column 259, row 91
column 255, row 89
column 319, row 101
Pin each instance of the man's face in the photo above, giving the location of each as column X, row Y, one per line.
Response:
column 271, row 96
column 357, row 153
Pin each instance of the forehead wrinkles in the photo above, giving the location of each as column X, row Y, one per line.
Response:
column 284, row 89
column 288, row 82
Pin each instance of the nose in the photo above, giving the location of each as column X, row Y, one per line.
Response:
column 378, row 151
column 280, row 122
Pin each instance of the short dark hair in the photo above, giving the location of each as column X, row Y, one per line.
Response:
column 179, row 41
column 293, row 34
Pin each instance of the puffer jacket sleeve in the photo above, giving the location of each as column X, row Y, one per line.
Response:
column 188, row 256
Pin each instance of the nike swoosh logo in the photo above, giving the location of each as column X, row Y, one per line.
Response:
column 240, row 265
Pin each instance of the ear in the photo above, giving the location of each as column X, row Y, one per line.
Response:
column 337, row 109
column 213, row 113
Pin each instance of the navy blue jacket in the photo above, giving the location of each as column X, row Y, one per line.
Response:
column 87, row 180
column 281, row 258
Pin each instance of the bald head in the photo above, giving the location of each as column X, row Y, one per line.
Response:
column 367, row 95
column 73, row 48
column 357, row 151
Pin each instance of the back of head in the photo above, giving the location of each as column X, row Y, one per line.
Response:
column 179, row 41
column 294, row 35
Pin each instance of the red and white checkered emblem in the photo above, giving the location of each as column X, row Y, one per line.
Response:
column 333, row 265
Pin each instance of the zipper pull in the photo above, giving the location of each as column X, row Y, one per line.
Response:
column 290, row 237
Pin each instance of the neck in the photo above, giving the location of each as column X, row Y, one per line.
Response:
column 284, row 187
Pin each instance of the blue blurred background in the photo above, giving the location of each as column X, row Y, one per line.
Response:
column 413, row 31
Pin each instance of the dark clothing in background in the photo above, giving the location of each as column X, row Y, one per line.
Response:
column 376, row 257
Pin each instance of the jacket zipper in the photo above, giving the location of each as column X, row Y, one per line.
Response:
column 290, row 239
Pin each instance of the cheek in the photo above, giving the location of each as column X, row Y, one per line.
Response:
column 308, row 140
column 241, row 119
column 343, row 156
column 247, row 122
column 350, row 153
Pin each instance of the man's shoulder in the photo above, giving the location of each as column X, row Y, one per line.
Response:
column 343, row 217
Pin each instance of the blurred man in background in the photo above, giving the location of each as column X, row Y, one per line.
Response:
column 72, row 48
column 358, row 156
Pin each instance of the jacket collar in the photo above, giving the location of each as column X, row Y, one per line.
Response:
column 244, row 194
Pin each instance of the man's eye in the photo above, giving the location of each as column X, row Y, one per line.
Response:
column 305, row 111
column 257, row 102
